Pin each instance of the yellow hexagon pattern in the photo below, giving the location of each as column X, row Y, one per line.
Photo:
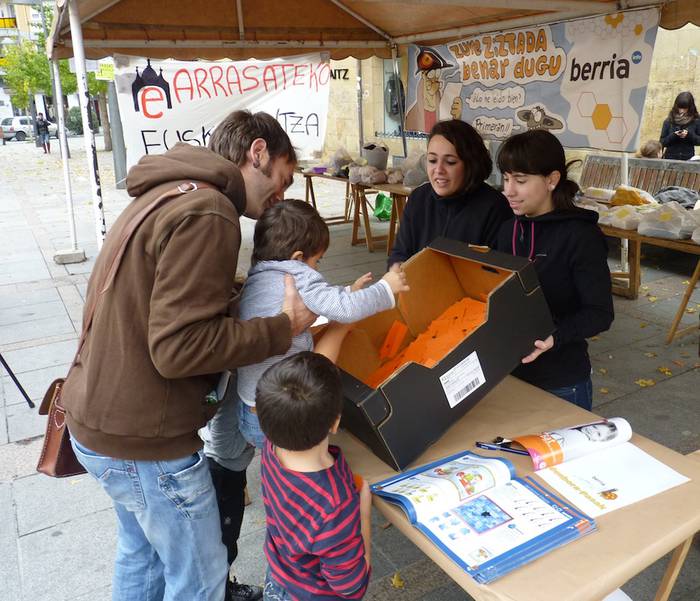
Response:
column 601, row 117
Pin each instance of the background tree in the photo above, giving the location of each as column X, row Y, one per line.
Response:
column 28, row 72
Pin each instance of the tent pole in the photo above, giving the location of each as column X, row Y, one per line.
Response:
column 360, row 129
column 74, row 254
column 76, row 33
column 402, row 108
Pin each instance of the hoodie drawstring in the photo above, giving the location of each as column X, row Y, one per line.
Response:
column 531, row 255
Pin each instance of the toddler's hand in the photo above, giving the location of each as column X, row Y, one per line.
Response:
column 396, row 279
column 361, row 282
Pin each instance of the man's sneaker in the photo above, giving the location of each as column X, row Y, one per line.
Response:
column 235, row 591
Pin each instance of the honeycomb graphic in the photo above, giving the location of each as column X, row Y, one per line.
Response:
column 602, row 117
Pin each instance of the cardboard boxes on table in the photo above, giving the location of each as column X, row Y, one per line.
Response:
column 410, row 409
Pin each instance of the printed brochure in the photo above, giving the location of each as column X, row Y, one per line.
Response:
column 595, row 467
column 488, row 521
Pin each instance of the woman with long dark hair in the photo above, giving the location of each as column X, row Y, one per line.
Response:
column 456, row 202
column 569, row 254
column 681, row 129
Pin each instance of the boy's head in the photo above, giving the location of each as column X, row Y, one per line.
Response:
column 289, row 227
column 299, row 401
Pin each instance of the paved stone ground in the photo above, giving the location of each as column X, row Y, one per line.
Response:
column 58, row 536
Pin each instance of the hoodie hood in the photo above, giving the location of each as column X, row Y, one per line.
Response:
column 187, row 162
column 575, row 213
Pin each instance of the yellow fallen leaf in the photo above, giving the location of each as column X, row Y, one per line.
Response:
column 652, row 299
column 686, row 282
column 665, row 371
column 602, row 371
column 650, row 355
column 642, row 325
column 594, row 338
column 643, row 383
column 603, row 390
column 645, row 288
column 397, row 581
column 690, row 310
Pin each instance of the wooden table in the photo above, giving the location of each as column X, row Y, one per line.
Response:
column 628, row 539
column 398, row 193
column 310, row 196
column 633, row 276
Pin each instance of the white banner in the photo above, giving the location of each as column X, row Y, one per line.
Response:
column 584, row 80
column 165, row 102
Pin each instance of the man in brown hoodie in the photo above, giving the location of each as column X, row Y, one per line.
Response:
column 137, row 395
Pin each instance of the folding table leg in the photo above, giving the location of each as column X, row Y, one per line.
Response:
column 684, row 303
column 672, row 571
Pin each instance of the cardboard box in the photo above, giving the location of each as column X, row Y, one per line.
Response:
column 417, row 404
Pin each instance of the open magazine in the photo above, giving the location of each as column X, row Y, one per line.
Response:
column 595, row 467
column 487, row 520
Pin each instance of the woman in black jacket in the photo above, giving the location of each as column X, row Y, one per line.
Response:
column 681, row 129
column 456, row 202
column 569, row 253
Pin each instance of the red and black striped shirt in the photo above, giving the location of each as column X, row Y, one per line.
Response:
column 314, row 541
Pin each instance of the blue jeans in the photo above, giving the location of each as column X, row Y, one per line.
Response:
column 249, row 425
column 580, row 394
column 273, row 591
column 169, row 537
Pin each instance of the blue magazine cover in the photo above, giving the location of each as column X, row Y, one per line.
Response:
column 484, row 518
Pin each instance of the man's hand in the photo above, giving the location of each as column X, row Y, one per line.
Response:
column 361, row 282
column 299, row 316
column 541, row 346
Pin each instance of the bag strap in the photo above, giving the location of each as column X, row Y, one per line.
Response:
column 114, row 261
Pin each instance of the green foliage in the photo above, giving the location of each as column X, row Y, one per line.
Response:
column 28, row 72
column 74, row 122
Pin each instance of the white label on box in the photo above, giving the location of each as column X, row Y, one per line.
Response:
column 463, row 379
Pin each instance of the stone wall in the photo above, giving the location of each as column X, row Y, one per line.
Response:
column 675, row 68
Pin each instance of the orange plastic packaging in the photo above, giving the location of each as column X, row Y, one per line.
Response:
column 442, row 335
column 359, row 481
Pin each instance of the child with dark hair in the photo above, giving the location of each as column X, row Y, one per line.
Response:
column 290, row 239
column 681, row 129
column 569, row 255
column 318, row 524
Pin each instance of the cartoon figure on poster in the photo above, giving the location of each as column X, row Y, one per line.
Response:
column 424, row 112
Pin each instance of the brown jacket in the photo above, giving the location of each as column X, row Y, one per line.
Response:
column 162, row 330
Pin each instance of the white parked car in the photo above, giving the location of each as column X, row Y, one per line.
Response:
column 21, row 128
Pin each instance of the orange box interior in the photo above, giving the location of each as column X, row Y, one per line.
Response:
column 447, row 302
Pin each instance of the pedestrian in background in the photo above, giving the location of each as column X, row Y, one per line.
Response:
column 681, row 129
column 42, row 128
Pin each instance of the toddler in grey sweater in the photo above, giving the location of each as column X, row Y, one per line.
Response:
column 290, row 240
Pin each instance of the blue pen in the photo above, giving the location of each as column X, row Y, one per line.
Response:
column 500, row 447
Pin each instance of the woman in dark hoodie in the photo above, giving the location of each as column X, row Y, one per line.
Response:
column 681, row 129
column 456, row 202
column 570, row 257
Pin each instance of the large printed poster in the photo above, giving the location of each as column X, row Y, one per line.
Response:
column 165, row 102
column 583, row 80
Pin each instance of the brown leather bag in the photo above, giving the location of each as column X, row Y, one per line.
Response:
column 57, row 458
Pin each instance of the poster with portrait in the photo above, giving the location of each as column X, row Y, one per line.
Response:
column 584, row 80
